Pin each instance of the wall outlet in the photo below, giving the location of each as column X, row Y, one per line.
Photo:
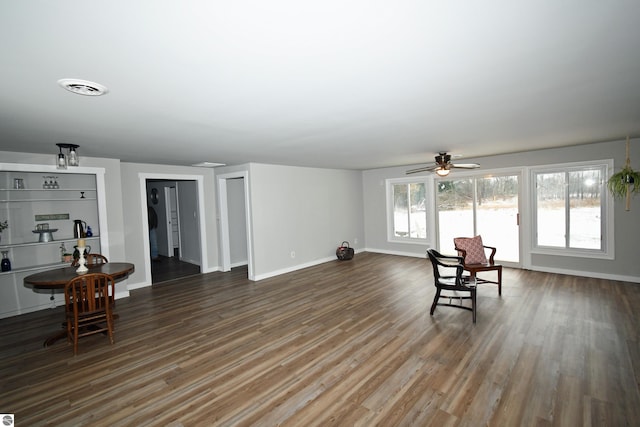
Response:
column 355, row 240
column 293, row 254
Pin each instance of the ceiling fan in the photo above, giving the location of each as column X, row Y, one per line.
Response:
column 443, row 165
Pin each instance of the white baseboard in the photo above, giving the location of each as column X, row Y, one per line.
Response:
column 210, row 269
column 387, row 252
column 293, row 268
column 132, row 286
column 592, row 274
column 239, row 264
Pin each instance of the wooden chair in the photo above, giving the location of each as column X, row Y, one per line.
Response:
column 473, row 245
column 93, row 260
column 88, row 307
column 447, row 273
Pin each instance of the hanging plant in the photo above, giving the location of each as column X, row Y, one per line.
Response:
column 3, row 225
column 625, row 183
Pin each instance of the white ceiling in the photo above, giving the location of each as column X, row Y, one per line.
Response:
column 339, row 84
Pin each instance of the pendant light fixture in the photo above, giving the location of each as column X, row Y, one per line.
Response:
column 73, row 156
column 71, row 159
column 61, row 160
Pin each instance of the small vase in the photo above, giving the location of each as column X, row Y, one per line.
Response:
column 5, row 265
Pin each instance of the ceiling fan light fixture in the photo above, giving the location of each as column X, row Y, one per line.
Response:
column 442, row 171
column 443, row 165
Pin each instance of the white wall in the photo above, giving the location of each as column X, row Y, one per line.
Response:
column 625, row 266
column 304, row 212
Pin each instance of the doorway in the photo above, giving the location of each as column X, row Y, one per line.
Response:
column 235, row 226
column 172, row 256
column 481, row 205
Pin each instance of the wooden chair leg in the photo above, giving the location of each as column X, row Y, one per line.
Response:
column 110, row 328
column 500, row 281
column 75, row 339
column 473, row 305
column 435, row 301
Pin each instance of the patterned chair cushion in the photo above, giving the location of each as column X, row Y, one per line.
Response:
column 474, row 249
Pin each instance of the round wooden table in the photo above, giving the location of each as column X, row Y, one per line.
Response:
column 58, row 278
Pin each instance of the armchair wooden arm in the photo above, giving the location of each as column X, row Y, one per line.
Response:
column 490, row 258
column 490, row 265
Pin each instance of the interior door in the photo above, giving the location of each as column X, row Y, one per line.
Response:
column 173, row 229
column 478, row 205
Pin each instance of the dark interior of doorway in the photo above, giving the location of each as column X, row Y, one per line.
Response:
column 165, row 268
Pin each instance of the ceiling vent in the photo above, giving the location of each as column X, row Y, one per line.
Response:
column 83, row 87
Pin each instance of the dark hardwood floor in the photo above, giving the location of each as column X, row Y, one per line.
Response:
column 169, row 268
column 342, row 343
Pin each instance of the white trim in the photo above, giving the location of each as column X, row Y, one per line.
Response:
column 239, row 264
column 607, row 209
column 523, row 211
column 592, row 274
column 297, row 267
column 429, row 199
column 223, row 216
column 399, row 253
column 142, row 177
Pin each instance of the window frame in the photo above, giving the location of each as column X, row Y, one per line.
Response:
column 427, row 181
column 523, row 194
column 606, row 211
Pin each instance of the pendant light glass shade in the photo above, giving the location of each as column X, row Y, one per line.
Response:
column 61, row 160
column 73, row 157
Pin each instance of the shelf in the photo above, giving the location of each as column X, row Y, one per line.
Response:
column 58, row 241
column 37, row 267
column 77, row 199
column 23, row 190
column 29, row 195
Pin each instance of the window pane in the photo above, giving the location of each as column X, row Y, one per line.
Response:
column 409, row 212
column 551, row 218
column 400, row 210
column 418, row 214
column 455, row 212
column 584, row 209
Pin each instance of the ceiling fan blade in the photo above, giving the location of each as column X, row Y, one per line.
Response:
column 423, row 169
column 465, row 165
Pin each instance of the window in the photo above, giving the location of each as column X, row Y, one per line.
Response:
column 407, row 202
column 572, row 210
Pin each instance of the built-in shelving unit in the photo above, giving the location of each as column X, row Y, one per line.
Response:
column 36, row 199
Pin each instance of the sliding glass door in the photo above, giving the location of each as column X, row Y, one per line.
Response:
column 486, row 206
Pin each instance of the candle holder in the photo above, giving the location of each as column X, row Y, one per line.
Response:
column 82, row 262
